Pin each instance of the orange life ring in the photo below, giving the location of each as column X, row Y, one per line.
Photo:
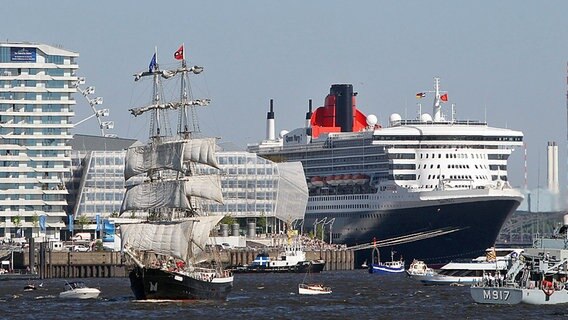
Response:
column 547, row 287
column 548, row 291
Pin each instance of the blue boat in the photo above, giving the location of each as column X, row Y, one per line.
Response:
column 379, row 267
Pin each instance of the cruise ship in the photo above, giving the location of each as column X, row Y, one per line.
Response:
column 431, row 188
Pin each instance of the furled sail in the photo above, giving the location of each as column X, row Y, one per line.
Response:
column 180, row 239
column 169, row 155
column 172, row 193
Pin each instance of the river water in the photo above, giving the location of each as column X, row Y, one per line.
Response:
column 356, row 295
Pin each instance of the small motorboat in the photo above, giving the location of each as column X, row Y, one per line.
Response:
column 313, row 288
column 78, row 290
column 379, row 267
column 30, row 287
column 419, row 268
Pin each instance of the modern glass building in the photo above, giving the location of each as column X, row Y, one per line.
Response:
column 36, row 107
column 97, row 186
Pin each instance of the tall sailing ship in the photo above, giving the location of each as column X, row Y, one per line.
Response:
column 431, row 188
column 162, row 186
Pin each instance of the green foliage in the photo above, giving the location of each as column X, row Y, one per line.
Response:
column 228, row 219
column 17, row 220
column 35, row 219
column 83, row 221
column 99, row 245
column 261, row 222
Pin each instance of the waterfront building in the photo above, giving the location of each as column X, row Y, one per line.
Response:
column 97, row 183
column 36, row 107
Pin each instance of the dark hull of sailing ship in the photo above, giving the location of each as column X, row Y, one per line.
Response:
column 156, row 284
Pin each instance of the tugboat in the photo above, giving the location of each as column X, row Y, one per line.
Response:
column 291, row 259
column 538, row 276
column 385, row 267
column 164, row 189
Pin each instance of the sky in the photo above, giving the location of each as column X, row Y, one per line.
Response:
column 500, row 61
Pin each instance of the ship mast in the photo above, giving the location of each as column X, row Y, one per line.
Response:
column 188, row 123
column 437, row 109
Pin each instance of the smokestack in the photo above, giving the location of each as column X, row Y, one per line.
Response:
column 309, row 114
column 343, row 106
column 270, row 122
column 552, row 167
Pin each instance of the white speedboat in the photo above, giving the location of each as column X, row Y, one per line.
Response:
column 78, row 290
column 495, row 261
column 312, row 288
column 419, row 268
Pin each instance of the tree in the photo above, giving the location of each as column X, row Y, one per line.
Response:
column 99, row 245
column 17, row 221
column 228, row 219
column 83, row 221
column 261, row 222
column 35, row 220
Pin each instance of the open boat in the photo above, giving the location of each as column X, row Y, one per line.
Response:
column 304, row 288
column 78, row 290
column 312, row 288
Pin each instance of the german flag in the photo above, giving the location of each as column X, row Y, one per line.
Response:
column 420, row 95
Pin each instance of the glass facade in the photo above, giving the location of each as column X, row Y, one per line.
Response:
column 35, row 126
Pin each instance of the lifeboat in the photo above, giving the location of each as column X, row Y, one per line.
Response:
column 332, row 180
column 360, row 179
column 317, row 181
column 348, row 179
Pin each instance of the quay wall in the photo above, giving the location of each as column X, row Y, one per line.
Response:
column 105, row 264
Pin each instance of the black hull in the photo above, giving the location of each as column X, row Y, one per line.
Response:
column 158, row 284
column 478, row 224
column 302, row 267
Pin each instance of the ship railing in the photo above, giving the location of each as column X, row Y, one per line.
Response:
column 455, row 122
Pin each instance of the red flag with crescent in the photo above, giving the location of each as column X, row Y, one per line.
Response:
column 178, row 55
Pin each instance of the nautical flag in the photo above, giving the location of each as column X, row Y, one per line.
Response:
column 152, row 65
column 444, row 97
column 178, row 55
column 98, row 219
column 491, row 256
column 420, row 95
column 70, row 225
column 42, row 220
